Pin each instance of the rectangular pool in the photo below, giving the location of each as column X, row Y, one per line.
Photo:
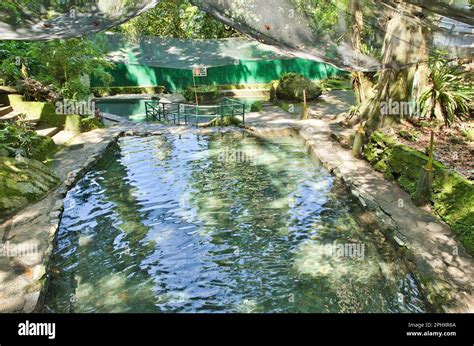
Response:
column 219, row 223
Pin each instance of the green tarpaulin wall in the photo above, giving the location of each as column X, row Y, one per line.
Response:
column 245, row 72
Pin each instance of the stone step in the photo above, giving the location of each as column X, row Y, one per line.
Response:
column 32, row 122
column 7, row 90
column 4, row 110
column 62, row 137
column 11, row 117
column 50, row 132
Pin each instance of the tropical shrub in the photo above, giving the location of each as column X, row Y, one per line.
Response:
column 448, row 89
column 65, row 63
column 62, row 65
column 13, row 56
column 17, row 139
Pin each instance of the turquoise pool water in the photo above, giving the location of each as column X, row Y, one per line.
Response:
column 132, row 109
column 219, row 223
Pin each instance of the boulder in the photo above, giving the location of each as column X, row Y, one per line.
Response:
column 23, row 181
column 291, row 86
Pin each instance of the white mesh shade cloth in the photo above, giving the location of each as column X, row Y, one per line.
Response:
column 315, row 29
column 187, row 54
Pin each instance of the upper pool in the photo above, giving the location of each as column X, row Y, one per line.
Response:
column 131, row 108
column 219, row 223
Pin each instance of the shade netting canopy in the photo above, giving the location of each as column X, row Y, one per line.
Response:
column 346, row 33
column 186, row 54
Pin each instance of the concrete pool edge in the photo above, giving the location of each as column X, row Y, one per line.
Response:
column 28, row 291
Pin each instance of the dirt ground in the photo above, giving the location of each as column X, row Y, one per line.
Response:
column 452, row 146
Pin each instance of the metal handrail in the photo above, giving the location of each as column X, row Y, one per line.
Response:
column 227, row 107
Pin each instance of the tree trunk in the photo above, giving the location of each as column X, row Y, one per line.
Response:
column 404, row 54
column 362, row 85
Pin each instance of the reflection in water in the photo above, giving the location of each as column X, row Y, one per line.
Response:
column 219, row 223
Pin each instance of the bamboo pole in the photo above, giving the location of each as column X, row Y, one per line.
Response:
column 425, row 180
column 195, row 91
column 305, row 110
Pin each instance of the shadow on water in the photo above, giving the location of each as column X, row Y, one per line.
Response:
column 227, row 223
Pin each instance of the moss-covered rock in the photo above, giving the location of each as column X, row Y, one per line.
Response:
column 23, row 181
column 256, row 106
column 452, row 196
column 454, row 202
column 292, row 85
column 43, row 148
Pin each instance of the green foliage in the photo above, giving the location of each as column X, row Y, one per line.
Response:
column 354, row 111
column 176, row 18
column 59, row 63
column 323, row 15
column 64, row 63
column 292, row 85
column 198, row 24
column 448, row 89
column 11, row 11
column 12, row 55
column 256, row 106
column 91, row 123
column 17, row 139
column 468, row 134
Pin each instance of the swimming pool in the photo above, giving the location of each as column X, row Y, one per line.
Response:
column 219, row 223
